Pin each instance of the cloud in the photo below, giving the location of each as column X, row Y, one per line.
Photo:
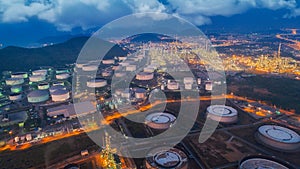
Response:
column 67, row 14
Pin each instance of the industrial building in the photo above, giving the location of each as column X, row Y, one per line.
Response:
column 222, row 113
column 160, row 120
column 278, row 138
column 72, row 110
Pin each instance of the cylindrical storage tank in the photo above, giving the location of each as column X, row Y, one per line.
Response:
column 149, row 69
column 89, row 68
column 22, row 75
column 208, row 86
column 160, row 120
column 106, row 73
column 62, row 71
column 116, row 67
column 14, row 81
column 125, row 63
column 37, row 78
column 188, row 86
column 120, row 74
column 131, row 68
column 118, row 92
column 199, row 81
column 144, row 76
column 278, row 138
column 140, row 93
column 17, row 139
column 79, row 65
column 42, row 72
column 16, row 89
column 15, row 96
column 166, row 158
column 188, row 80
column 162, row 87
column 172, row 85
column 57, row 87
column 43, row 86
column 60, row 95
column 60, row 83
column 62, row 76
column 108, row 61
column 126, row 93
column 222, row 113
column 121, row 58
column 94, row 83
column 263, row 162
column 38, row 96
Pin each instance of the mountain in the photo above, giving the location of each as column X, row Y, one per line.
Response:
column 22, row 59
column 147, row 37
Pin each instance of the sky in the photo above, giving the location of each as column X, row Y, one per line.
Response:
column 26, row 21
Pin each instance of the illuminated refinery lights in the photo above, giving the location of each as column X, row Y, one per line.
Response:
column 221, row 113
column 14, row 81
column 278, row 137
column 160, row 120
column 38, row 96
column 173, row 158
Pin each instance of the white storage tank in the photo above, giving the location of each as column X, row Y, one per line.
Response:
column 188, row 80
column 163, row 158
column 89, row 68
column 222, row 113
column 60, row 95
column 173, row 85
column 37, row 78
column 14, row 81
column 144, row 76
column 279, row 138
column 140, row 93
column 57, row 87
column 208, row 86
column 38, row 96
column 42, row 72
column 15, row 96
column 108, row 61
column 16, row 89
column 62, row 76
column 94, row 83
column 43, row 86
column 160, row 120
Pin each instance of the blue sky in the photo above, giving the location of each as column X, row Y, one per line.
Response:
column 25, row 21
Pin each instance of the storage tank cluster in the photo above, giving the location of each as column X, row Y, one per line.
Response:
column 143, row 76
column 263, row 162
column 95, row 83
column 160, row 120
column 222, row 113
column 278, row 138
column 172, row 158
column 38, row 96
